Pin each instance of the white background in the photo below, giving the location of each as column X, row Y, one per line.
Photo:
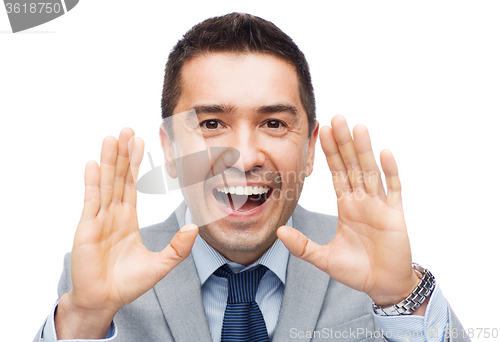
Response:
column 423, row 76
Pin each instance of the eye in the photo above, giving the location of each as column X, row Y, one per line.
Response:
column 274, row 124
column 211, row 124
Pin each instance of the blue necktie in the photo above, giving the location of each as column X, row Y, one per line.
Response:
column 243, row 320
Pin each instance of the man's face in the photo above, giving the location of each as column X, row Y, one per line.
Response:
column 248, row 103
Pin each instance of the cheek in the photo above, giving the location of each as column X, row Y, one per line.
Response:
column 192, row 165
column 291, row 161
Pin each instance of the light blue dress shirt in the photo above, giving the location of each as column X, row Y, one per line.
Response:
column 409, row 328
column 214, row 289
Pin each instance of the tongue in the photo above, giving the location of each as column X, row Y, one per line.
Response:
column 243, row 202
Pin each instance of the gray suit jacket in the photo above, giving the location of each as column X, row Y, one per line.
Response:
column 313, row 302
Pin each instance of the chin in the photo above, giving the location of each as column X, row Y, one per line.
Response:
column 239, row 236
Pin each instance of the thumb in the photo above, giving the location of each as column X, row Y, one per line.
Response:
column 178, row 249
column 302, row 247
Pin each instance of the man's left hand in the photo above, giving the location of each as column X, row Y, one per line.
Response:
column 371, row 249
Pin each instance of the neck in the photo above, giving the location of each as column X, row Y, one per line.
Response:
column 243, row 257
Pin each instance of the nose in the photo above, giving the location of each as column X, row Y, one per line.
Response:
column 247, row 145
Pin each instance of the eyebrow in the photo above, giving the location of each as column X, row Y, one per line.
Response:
column 279, row 108
column 214, row 109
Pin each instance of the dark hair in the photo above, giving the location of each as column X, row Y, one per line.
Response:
column 236, row 32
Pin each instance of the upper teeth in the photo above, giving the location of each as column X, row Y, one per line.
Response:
column 243, row 190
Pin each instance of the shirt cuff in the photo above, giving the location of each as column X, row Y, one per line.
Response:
column 412, row 328
column 49, row 330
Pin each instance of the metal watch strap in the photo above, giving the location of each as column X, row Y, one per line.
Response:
column 413, row 301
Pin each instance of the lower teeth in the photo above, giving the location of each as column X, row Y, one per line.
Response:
column 238, row 202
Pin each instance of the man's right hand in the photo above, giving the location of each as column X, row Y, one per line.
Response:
column 110, row 266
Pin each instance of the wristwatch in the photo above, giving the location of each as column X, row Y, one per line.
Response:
column 413, row 301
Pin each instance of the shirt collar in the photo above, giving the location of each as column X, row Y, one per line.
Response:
column 207, row 259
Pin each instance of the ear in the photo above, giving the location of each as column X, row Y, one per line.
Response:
column 168, row 152
column 310, row 149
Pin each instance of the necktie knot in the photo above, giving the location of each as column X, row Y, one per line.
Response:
column 242, row 286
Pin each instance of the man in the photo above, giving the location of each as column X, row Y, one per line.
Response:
column 238, row 91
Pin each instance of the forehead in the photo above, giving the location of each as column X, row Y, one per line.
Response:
column 238, row 80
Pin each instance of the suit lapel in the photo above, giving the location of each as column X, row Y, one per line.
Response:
column 305, row 286
column 179, row 293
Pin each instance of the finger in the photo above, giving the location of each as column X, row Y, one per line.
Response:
column 334, row 160
column 302, row 247
column 369, row 167
column 107, row 170
column 136, row 152
column 347, row 151
column 92, row 200
column 122, row 164
column 392, row 179
column 136, row 147
column 179, row 248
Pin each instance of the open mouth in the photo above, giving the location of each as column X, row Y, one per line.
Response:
column 242, row 198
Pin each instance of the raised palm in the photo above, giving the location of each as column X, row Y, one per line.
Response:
column 371, row 250
column 110, row 266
